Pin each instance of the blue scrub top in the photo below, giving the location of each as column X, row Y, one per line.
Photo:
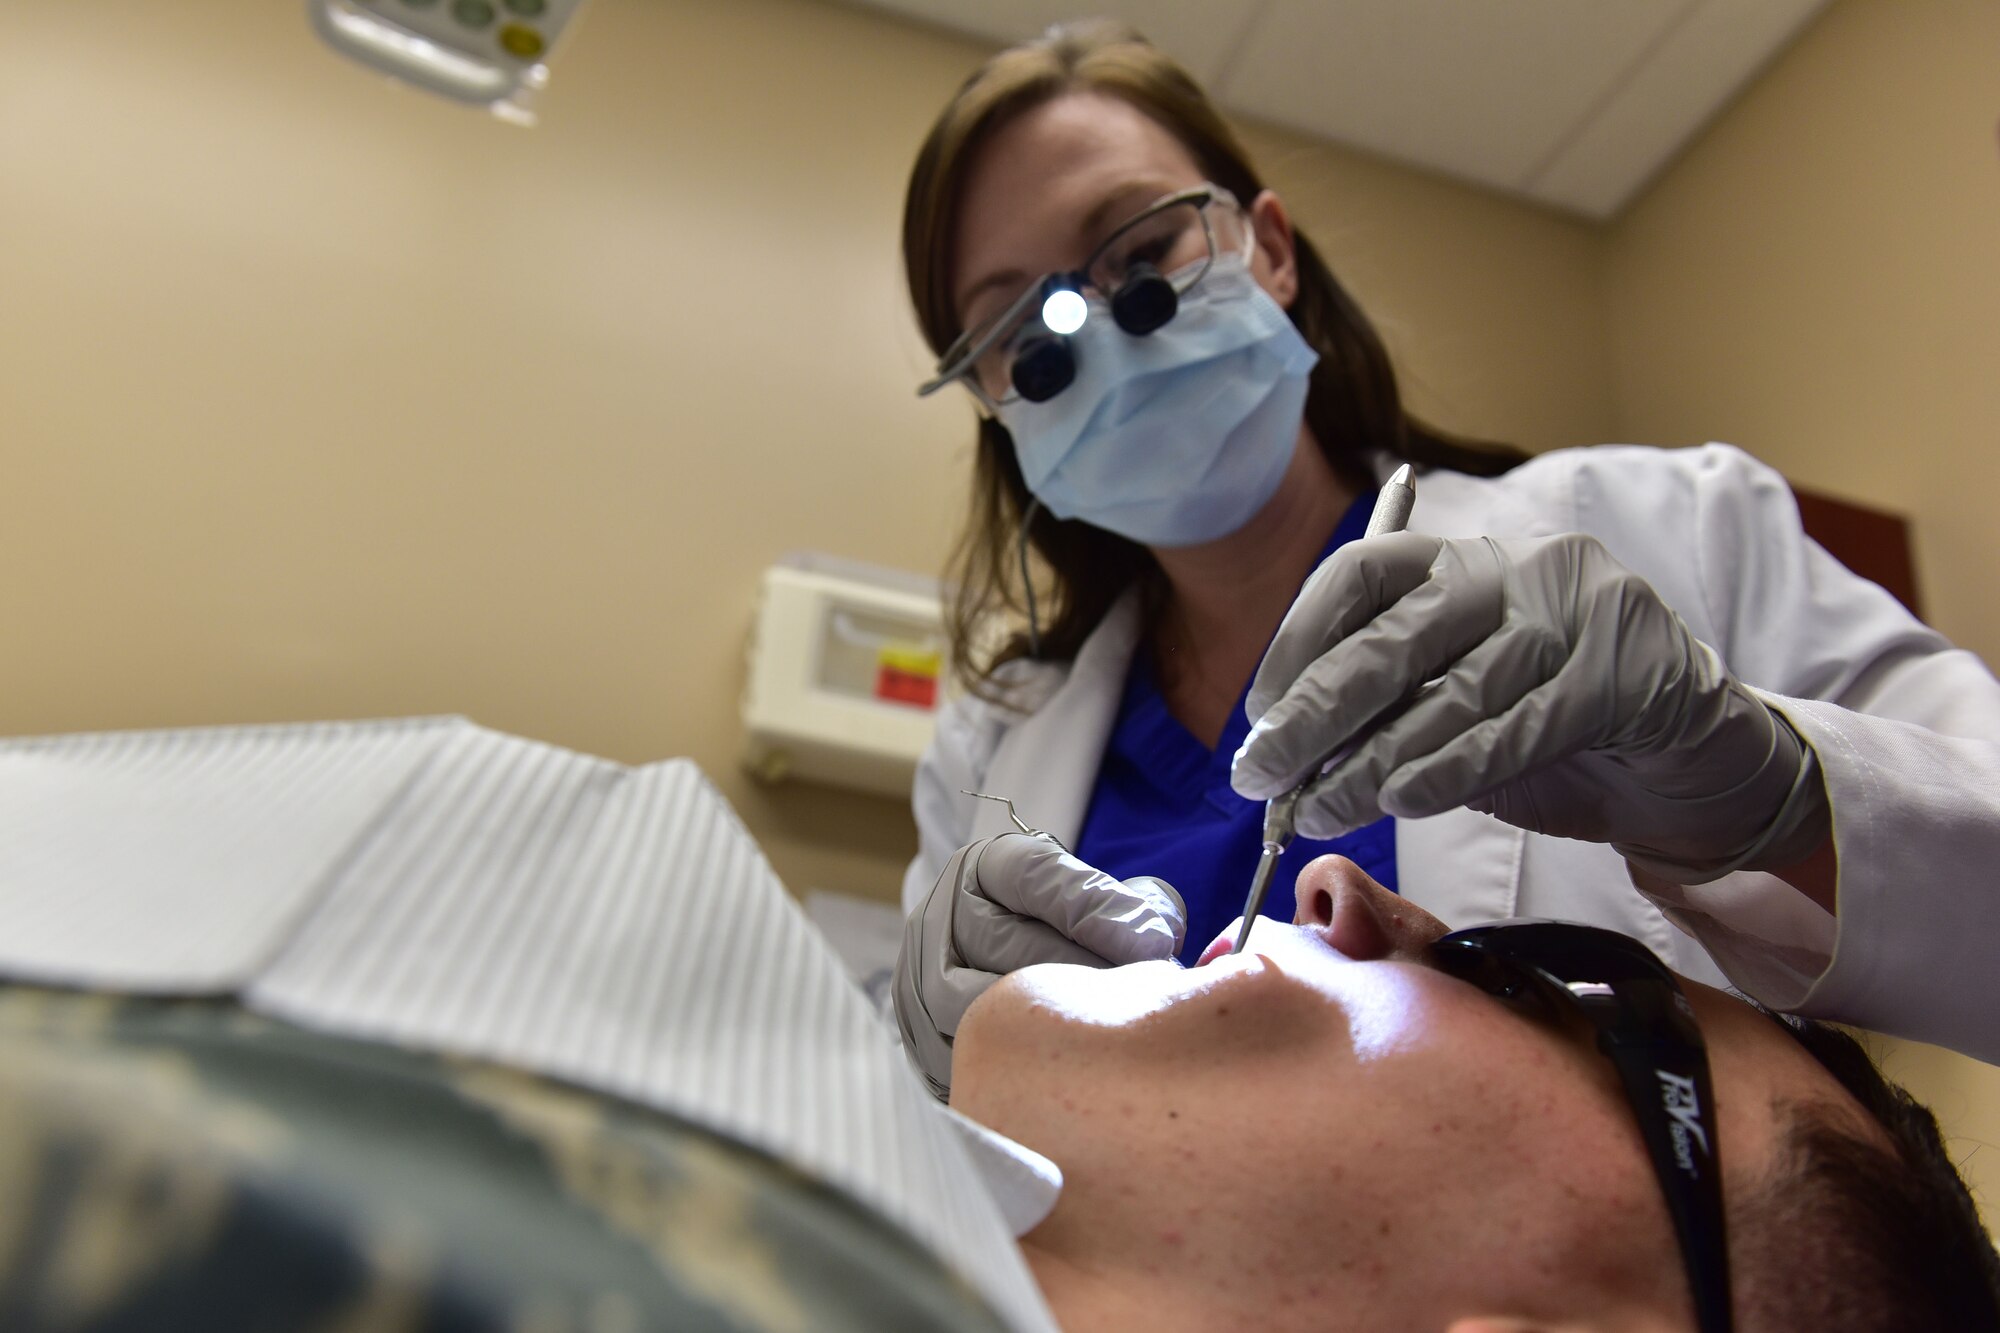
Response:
column 1163, row 805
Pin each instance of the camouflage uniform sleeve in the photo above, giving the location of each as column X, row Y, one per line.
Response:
column 185, row 1164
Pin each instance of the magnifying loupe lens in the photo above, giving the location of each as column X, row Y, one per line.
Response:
column 1043, row 368
column 1144, row 301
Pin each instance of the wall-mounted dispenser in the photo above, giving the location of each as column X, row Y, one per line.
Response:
column 846, row 664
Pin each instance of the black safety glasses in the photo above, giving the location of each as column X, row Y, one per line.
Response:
column 1645, row 1025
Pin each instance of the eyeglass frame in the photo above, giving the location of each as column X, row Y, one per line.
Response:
column 1645, row 1026
column 959, row 359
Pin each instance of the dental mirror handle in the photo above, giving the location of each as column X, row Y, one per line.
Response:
column 1393, row 505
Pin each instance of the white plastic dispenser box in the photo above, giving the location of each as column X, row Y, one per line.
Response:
column 846, row 664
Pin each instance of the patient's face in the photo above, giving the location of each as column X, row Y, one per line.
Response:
column 1328, row 1089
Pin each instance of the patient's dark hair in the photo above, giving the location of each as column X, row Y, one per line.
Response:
column 1844, row 1236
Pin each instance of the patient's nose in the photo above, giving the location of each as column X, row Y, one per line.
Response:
column 1359, row 917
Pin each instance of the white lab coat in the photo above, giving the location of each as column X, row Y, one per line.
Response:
column 1906, row 727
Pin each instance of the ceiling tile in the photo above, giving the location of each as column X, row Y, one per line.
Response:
column 1481, row 91
column 1687, row 80
column 1572, row 103
column 1198, row 33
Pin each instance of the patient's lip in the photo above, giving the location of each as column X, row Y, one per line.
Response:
column 1219, row 946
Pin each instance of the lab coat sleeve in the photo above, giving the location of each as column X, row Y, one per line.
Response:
column 1916, row 823
column 1907, row 732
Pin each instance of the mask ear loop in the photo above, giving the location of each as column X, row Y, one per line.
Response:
column 1028, row 583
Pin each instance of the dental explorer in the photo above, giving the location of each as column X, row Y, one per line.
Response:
column 1015, row 818
column 1391, row 514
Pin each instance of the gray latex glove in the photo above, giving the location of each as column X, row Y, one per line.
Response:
column 1539, row 681
column 1003, row 903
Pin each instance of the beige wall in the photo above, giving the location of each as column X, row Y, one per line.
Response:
column 320, row 397
column 1818, row 280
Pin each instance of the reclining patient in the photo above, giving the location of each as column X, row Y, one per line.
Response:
column 381, row 923
column 1329, row 1131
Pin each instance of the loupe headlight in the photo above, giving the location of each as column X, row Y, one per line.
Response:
column 1044, row 362
column 1063, row 308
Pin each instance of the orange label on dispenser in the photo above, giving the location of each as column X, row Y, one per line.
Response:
column 907, row 675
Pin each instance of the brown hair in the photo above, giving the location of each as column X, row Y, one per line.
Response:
column 1353, row 405
column 1849, row 1236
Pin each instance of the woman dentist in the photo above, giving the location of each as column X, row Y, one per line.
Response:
column 1620, row 685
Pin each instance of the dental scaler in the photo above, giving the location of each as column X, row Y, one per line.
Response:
column 1391, row 514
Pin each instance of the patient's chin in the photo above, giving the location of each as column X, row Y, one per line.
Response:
column 993, row 1031
column 1014, row 1042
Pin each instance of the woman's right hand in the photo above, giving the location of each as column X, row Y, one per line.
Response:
column 1004, row 903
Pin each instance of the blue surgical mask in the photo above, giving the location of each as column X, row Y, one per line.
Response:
column 1178, row 437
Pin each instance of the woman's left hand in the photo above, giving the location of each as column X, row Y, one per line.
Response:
column 1538, row 680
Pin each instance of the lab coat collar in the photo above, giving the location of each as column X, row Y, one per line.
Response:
column 1076, row 720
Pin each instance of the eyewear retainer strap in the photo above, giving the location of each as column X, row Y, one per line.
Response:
column 1668, row 1086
